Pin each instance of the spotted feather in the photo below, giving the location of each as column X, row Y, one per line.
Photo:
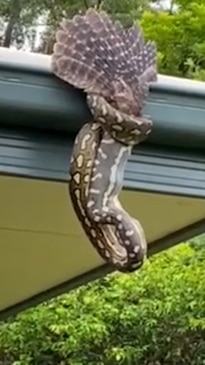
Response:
column 101, row 57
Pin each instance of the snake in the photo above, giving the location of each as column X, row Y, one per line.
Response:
column 99, row 160
column 104, row 143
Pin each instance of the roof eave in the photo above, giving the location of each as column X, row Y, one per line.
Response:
column 28, row 87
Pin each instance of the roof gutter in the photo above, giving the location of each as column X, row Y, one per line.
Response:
column 29, row 89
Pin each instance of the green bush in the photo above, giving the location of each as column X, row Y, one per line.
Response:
column 180, row 39
column 155, row 316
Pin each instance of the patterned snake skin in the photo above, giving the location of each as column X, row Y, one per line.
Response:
column 114, row 67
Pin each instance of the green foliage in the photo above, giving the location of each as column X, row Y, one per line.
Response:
column 180, row 39
column 127, row 10
column 153, row 317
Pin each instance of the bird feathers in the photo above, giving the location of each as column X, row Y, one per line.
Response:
column 92, row 53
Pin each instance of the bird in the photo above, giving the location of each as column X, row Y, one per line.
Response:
column 99, row 56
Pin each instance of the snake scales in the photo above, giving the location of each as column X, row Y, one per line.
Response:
column 114, row 67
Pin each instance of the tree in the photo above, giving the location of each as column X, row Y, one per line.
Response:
column 180, row 39
column 18, row 16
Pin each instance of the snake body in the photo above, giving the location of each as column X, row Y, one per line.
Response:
column 118, row 238
column 116, row 89
column 124, row 128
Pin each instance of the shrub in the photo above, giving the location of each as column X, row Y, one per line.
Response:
column 152, row 317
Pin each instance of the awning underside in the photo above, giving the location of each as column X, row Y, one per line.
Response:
column 42, row 244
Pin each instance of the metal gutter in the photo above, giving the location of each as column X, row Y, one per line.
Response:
column 31, row 97
column 46, row 156
column 35, row 62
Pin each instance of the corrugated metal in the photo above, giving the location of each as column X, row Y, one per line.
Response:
column 167, row 171
column 46, row 156
column 31, row 96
